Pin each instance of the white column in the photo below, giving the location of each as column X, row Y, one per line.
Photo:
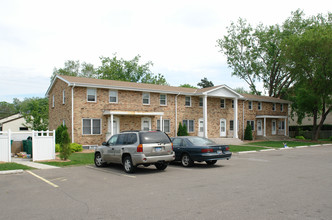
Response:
column 235, row 122
column 264, row 127
column 112, row 118
column 205, row 117
column 161, row 123
column 285, row 128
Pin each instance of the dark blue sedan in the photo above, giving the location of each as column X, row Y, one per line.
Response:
column 191, row 148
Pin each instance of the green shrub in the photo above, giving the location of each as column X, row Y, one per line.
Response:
column 76, row 147
column 300, row 137
column 330, row 138
column 182, row 131
column 248, row 133
column 58, row 133
column 65, row 150
column 57, row 148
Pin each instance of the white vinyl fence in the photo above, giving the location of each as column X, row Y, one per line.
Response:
column 43, row 144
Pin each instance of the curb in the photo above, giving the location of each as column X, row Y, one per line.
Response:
column 267, row 150
column 11, row 171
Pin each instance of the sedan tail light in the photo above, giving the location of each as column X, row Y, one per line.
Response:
column 140, row 148
column 208, row 150
column 227, row 149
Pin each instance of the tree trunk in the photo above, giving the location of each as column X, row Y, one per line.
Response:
column 324, row 115
column 314, row 126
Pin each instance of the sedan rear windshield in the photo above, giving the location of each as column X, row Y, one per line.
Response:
column 198, row 141
column 154, row 137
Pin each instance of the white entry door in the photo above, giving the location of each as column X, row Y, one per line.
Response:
column 274, row 127
column 222, row 127
column 259, row 127
column 146, row 124
column 201, row 127
column 116, row 127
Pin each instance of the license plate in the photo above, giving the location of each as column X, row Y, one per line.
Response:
column 219, row 152
column 158, row 149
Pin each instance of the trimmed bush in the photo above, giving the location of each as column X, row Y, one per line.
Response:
column 182, row 131
column 58, row 133
column 65, row 150
column 76, row 147
column 300, row 137
column 248, row 133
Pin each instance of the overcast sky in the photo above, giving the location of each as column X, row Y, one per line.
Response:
column 179, row 37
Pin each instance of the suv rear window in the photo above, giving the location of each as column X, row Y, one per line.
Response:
column 154, row 137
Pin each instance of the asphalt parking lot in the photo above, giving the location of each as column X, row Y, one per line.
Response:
column 283, row 184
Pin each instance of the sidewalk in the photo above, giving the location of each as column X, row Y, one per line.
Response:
column 29, row 163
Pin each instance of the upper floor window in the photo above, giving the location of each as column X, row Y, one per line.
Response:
column 146, row 98
column 91, row 126
column 188, row 101
column 53, row 101
column 222, row 103
column 259, row 106
column 113, row 96
column 273, row 106
column 63, row 97
column 163, row 99
column 281, row 107
column 232, row 103
column 200, row 102
column 92, row 95
column 250, row 105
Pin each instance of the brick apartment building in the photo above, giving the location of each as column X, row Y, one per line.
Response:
column 89, row 106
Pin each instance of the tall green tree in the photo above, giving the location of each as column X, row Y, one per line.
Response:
column 35, row 113
column 205, row 83
column 75, row 68
column 7, row 109
column 311, row 65
column 255, row 55
column 186, row 85
column 128, row 70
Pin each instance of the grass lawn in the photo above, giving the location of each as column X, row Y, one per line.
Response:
column 238, row 148
column 279, row 144
column 75, row 159
column 14, row 166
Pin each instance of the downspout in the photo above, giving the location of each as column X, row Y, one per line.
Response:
column 243, row 118
column 72, row 113
column 176, row 115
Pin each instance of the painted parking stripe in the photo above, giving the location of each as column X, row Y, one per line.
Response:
column 108, row 171
column 43, row 179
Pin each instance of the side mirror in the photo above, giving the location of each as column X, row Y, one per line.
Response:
column 105, row 144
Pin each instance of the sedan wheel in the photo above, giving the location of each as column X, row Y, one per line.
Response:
column 128, row 165
column 186, row 160
column 211, row 162
column 161, row 166
column 99, row 161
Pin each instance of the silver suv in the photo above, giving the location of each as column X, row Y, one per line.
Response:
column 133, row 148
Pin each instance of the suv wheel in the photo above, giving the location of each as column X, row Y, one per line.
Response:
column 99, row 161
column 186, row 160
column 128, row 165
column 161, row 165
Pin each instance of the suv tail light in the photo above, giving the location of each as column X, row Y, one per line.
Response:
column 208, row 150
column 172, row 147
column 140, row 148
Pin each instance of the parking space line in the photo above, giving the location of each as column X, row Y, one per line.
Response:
column 41, row 178
column 108, row 171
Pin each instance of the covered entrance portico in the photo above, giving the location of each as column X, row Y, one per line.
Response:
column 262, row 119
column 145, row 121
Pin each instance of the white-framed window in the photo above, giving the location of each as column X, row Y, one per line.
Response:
column 166, row 125
column 188, row 101
column 273, row 106
column 250, row 105
column 53, row 101
column 91, row 95
column 252, row 124
column 222, row 103
column 231, row 125
column 113, row 96
column 281, row 125
column 190, row 125
column 281, row 107
column 232, row 103
column 259, row 107
column 200, row 102
column 63, row 97
column 163, row 99
column 91, row 126
column 146, row 98
column 63, row 122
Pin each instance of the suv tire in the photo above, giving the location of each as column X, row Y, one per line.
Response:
column 98, row 160
column 161, row 165
column 128, row 165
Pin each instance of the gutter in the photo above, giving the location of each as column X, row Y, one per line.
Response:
column 176, row 114
column 72, row 113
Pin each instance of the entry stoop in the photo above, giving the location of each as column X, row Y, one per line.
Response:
column 227, row 141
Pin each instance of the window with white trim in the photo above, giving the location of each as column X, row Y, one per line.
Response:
column 113, row 96
column 91, row 95
column 146, row 98
column 259, row 106
column 53, row 101
column 166, row 125
column 222, row 103
column 91, row 126
column 163, row 99
column 190, row 125
column 273, row 106
column 200, row 102
column 281, row 125
column 252, row 124
column 281, row 107
column 231, row 125
column 250, row 105
column 63, row 97
column 232, row 103
column 188, row 101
